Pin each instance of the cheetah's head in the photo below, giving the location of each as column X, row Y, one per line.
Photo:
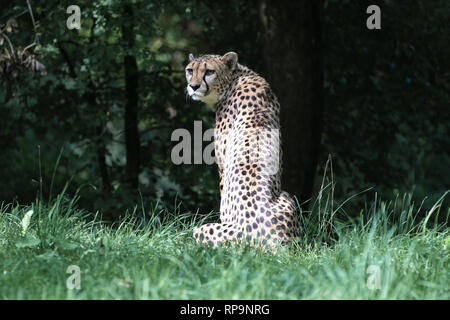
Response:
column 208, row 76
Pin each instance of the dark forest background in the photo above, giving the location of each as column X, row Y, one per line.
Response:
column 97, row 106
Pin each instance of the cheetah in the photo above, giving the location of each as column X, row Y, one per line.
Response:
column 253, row 208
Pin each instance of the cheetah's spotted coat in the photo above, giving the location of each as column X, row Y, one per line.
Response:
column 247, row 146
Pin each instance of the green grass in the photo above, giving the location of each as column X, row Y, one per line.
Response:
column 160, row 260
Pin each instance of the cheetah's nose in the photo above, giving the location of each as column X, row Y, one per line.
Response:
column 195, row 86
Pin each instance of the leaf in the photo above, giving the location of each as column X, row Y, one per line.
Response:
column 66, row 245
column 41, row 68
column 12, row 25
column 70, row 84
column 28, row 242
column 446, row 243
column 47, row 255
column 26, row 221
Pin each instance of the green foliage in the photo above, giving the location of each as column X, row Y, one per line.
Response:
column 386, row 99
column 79, row 106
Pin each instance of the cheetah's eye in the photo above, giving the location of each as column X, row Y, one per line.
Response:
column 189, row 70
column 210, row 72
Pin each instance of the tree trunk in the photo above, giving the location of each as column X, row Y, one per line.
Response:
column 132, row 141
column 101, row 159
column 293, row 66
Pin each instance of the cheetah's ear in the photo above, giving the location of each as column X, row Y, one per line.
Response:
column 191, row 57
column 230, row 60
